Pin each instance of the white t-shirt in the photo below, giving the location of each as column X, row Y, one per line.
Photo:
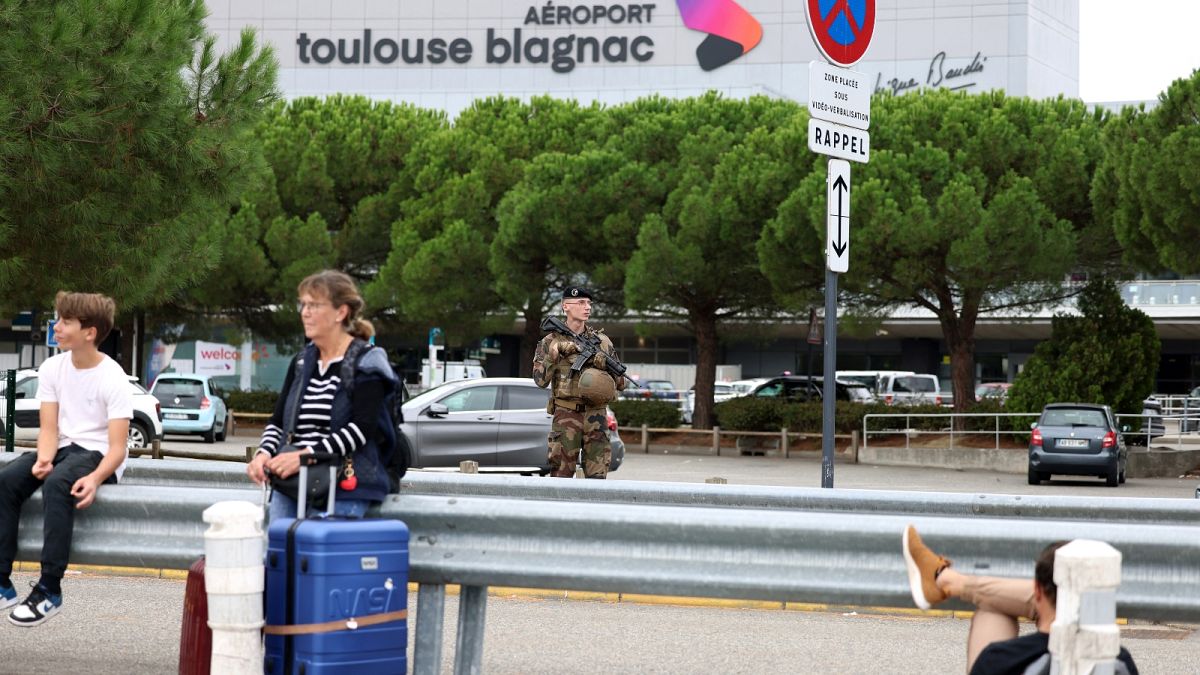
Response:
column 87, row 399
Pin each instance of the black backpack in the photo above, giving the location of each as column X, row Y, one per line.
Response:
column 397, row 457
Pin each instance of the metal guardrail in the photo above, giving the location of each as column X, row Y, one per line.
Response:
column 222, row 476
column 778, row 544
column 1151, row 426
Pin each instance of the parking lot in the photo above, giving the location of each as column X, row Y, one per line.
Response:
column 803, row 470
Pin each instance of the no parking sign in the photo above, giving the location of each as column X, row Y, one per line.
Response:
column 842, row 29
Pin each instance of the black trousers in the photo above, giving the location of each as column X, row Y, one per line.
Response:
column 17, row 484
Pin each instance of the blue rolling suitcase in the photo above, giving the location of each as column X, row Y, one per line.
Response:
column 337, row 594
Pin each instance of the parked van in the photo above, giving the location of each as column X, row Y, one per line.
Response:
column 898, row 387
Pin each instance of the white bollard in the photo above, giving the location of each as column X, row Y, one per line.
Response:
column 1084, row 637
column 234, row 578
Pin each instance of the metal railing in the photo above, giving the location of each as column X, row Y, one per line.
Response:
column 1149, row 426
column 712, row 541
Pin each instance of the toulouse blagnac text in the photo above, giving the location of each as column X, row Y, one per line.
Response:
column 562, row 53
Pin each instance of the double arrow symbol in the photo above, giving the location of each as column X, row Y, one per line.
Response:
column 839, row 186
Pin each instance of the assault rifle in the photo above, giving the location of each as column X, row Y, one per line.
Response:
column 588, row 347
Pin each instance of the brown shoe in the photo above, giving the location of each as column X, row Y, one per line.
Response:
column 923, row 567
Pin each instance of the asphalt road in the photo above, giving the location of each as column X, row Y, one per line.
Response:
column 131, row 626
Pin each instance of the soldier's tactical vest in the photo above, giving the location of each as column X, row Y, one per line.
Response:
column 593, row 387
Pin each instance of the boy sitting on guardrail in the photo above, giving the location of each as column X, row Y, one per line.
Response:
column 86, row 405
column 993, row 647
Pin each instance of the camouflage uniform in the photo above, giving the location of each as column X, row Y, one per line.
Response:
column 575, row 425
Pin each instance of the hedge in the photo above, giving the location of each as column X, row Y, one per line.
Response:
column 258, row 401
column 769, row 414
column 654, row 414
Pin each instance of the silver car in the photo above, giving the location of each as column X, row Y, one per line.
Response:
column 500, row 422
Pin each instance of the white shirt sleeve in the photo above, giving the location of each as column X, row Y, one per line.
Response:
column 119, row 396
column 47, row 391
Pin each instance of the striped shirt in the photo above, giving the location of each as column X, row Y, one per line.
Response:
column 314, row 415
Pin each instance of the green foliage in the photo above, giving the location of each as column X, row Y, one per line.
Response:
column 751, row 413
column 449, row 265
column 326, row 190
column 123, row 135
column 1146, row 188
column 970, row 204
column 654, row 414
column 722, row 171
column 1108, row 354
column 257, row 401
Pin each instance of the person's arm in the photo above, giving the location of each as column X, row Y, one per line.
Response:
column 542, row 365
column 84, row 489
column 608, row 349
column 47, row 441
column 272, row 435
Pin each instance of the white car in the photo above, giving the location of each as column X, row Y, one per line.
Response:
column 722, row 391
column 145, row 427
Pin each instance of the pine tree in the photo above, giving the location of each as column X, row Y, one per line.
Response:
column 122, row 136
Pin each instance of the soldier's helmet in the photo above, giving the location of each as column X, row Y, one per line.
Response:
column 596, row 387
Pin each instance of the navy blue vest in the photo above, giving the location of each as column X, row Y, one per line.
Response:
column 370, row 466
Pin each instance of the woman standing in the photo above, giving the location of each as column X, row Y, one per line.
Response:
column 317, row 413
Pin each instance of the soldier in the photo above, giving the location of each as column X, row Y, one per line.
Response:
column 578, row 400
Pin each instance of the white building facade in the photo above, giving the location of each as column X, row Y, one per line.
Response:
column 445, row 53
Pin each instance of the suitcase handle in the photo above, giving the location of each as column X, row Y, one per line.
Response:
column 302, row 493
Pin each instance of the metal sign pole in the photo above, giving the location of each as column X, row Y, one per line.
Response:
column 829, row 396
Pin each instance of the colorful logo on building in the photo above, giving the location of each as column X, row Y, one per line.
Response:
column 731, row 30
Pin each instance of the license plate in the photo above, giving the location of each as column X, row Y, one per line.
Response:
column 175, row 416
column 1072, row 443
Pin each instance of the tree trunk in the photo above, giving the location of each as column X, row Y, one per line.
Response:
column 704, row 326
column 959, row 332
column 529, row 339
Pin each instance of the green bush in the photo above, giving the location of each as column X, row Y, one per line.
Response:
column 768, row 414
column 750, row 413
column 258, row 401
column 654, row 414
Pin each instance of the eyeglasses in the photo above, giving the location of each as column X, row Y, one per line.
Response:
column 310, row 306
column 585, row 303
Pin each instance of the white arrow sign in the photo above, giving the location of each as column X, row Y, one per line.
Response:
column 837, row 223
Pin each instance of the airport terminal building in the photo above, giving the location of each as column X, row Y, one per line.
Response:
column 445, row 53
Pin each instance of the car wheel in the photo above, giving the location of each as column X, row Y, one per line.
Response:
column 1113, row 477
column 210, row 436
column 222, row 434
column 138, row 437
column 1036, row 477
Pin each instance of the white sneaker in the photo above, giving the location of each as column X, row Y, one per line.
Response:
column 36, row 609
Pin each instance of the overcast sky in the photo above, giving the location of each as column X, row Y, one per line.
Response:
column 1130, row 50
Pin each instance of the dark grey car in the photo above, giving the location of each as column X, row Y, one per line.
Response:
column 1078, row 439
column 500, row 422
